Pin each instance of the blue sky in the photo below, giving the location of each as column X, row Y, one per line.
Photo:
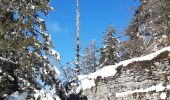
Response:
column 94, row 19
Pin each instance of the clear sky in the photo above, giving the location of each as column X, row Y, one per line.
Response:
column 94, row 19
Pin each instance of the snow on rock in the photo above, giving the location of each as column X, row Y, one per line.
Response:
column 156, row 88
column 85, row 82
column 17, row 96
column 88, row 81
column 104, row 72
column 145, row 58
column 163, row 96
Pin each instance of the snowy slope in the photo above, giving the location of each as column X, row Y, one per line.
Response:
column 88, row 81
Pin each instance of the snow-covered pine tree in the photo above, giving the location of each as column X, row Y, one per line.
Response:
column 109, row 53
column 89, row 61
column 24, row 45
column 150, row 27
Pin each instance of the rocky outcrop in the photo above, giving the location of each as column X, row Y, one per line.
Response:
column 139, row 80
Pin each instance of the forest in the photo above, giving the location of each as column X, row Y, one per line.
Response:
column 31, row 68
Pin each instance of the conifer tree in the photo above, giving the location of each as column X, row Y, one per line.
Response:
column 25, row 47
column 89, row 61
column 109, row 54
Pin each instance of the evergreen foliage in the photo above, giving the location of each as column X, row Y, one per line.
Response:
column 89, row 61
column 24, row 45
column 109, row 53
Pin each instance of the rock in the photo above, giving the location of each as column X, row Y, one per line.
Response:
column 139, row 79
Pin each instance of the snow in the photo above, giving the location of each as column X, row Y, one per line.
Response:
column 145, row 58
column 10, row 78
column 17, row 96
column 157, row 88
column 76, row 87
column 13, row 33
column 25, row 82
column 45, row 57
column 163, row 96
column 0, row 70
column 44, row 71
column 164, row 36
column 45, row 95
column 48, row 97
column 88, row 81
column 168, row 86
column 104, row 72
column 57, row 71
column 52, row 8
column 40, row 20
column 55, row 53
column 32, row 7
column 8, row 60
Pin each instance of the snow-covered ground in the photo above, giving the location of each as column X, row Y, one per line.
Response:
column 38, row 93
column 17, row 96
column 88, row 81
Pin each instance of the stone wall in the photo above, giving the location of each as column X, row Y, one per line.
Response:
column 133, row 78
